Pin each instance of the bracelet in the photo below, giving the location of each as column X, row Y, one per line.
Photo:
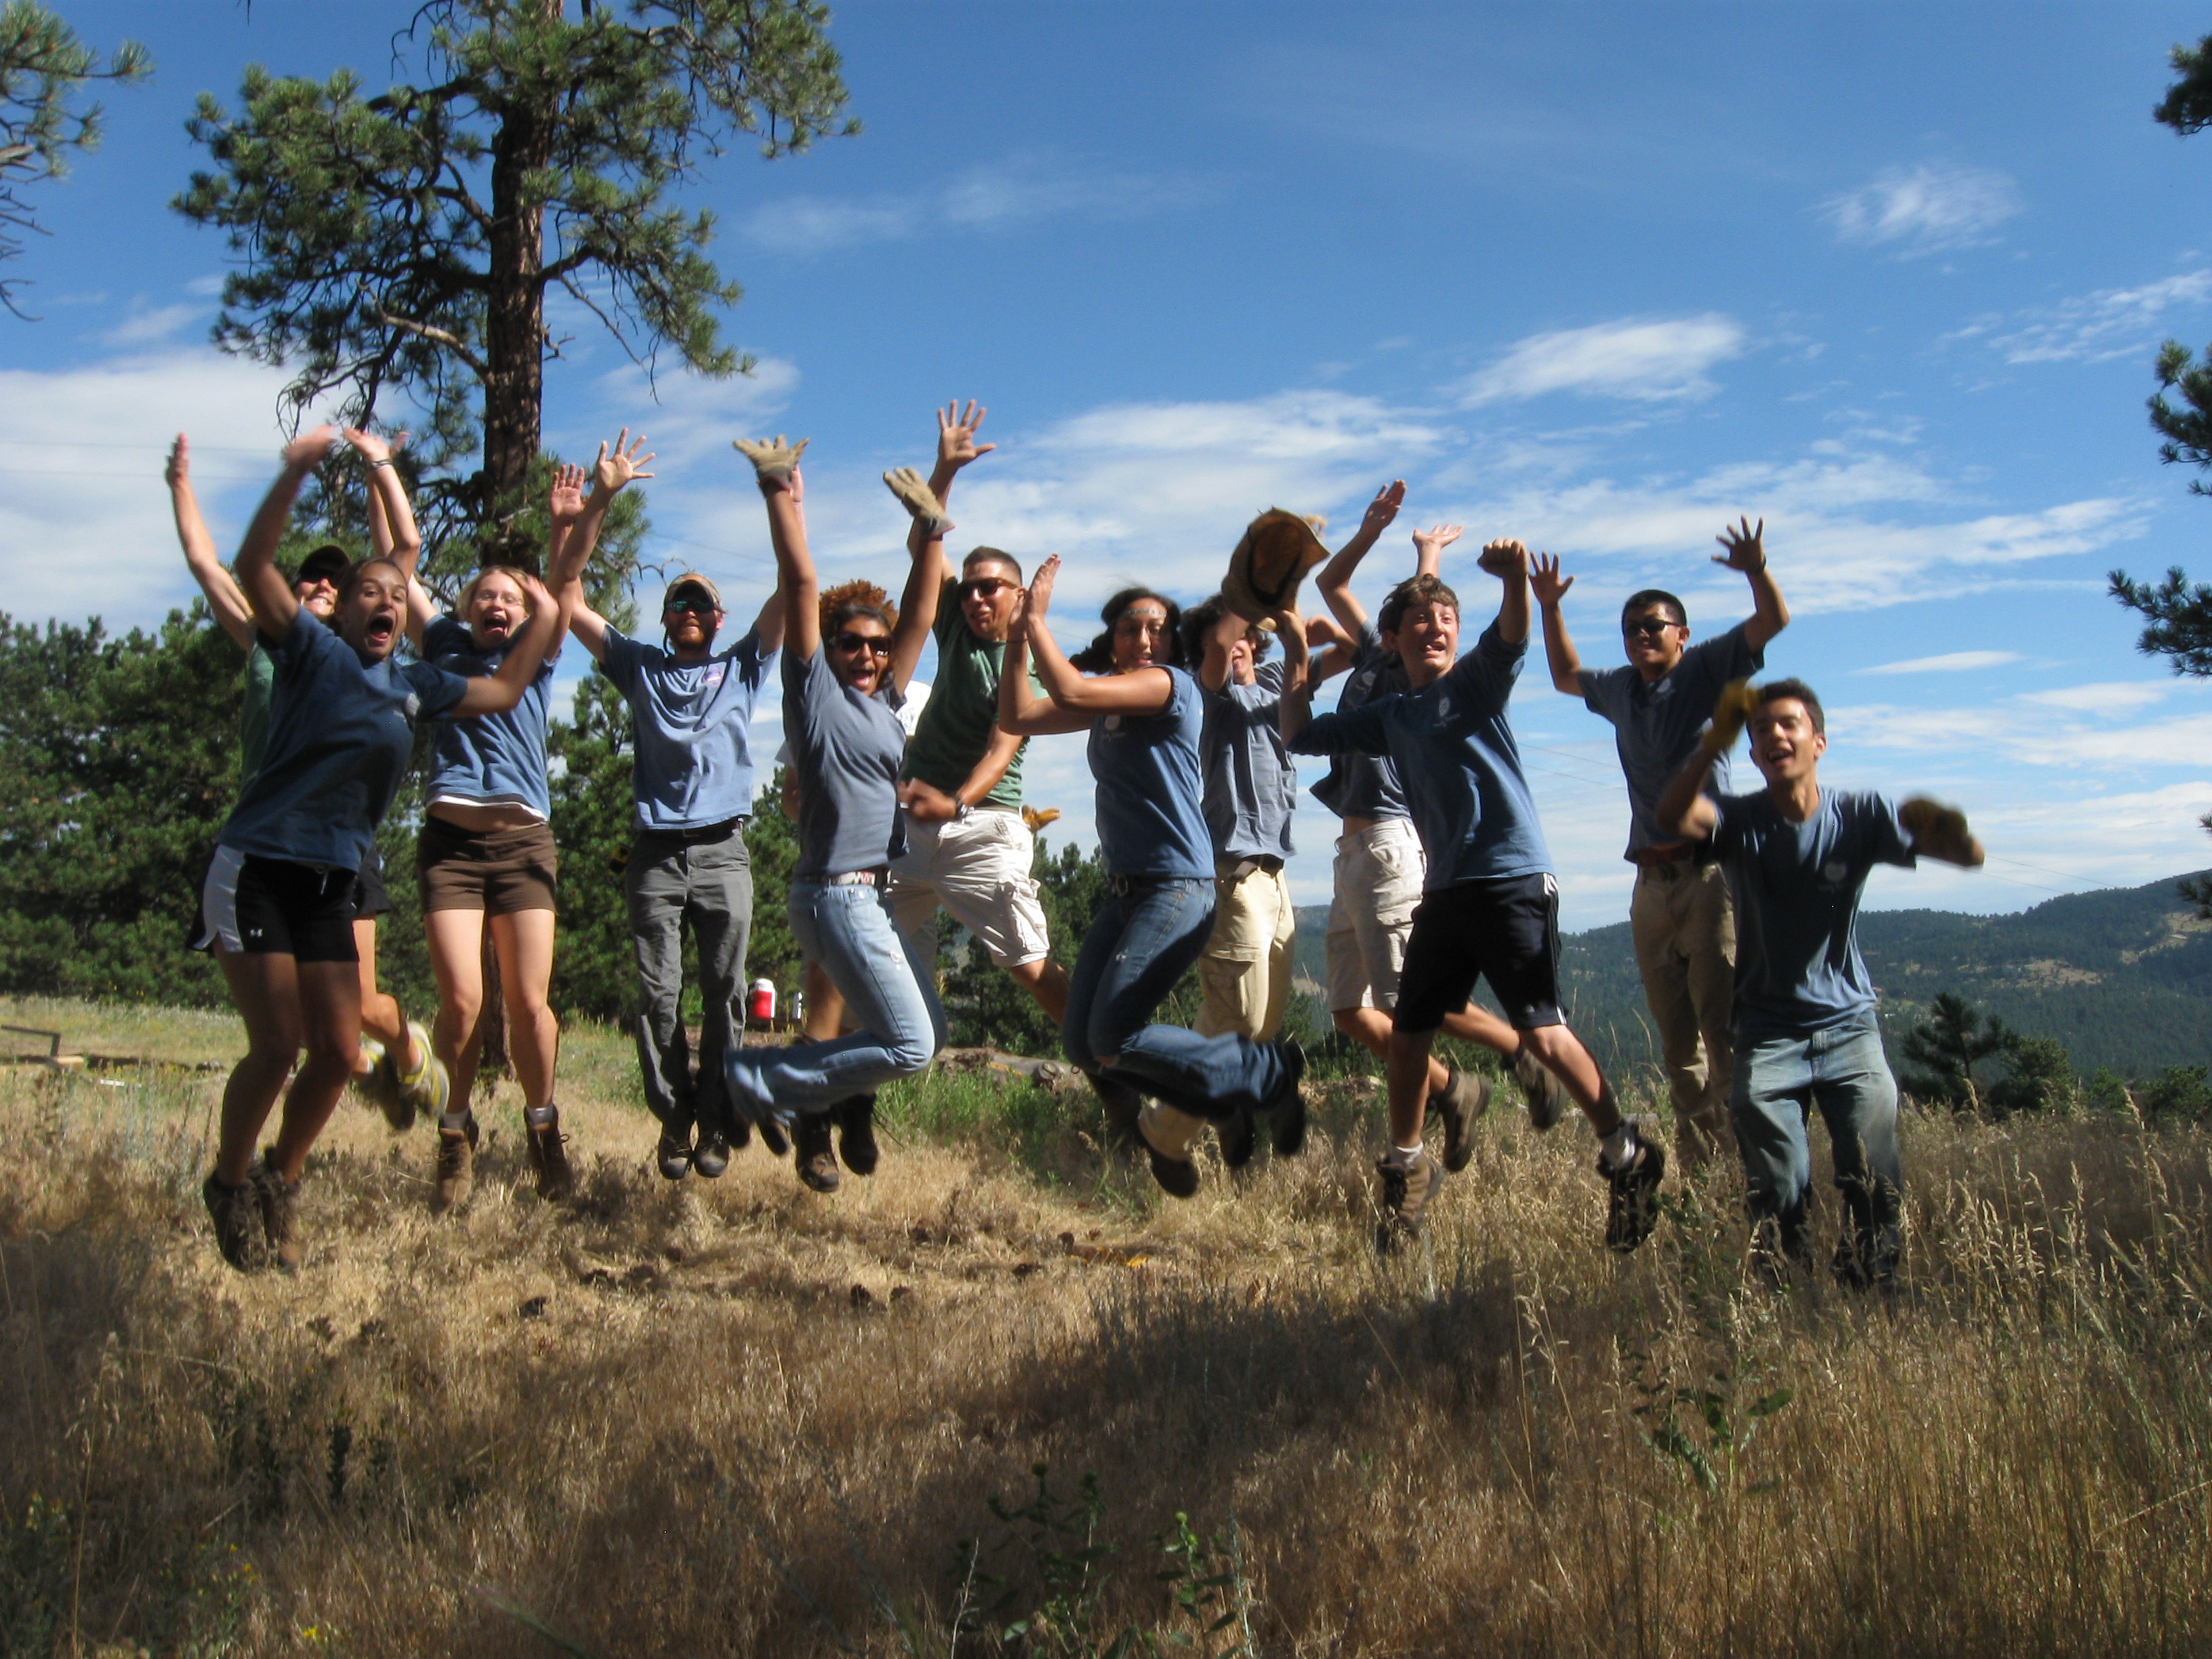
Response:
column 386, row 461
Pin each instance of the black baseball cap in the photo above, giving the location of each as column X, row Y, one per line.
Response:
column 327, row 562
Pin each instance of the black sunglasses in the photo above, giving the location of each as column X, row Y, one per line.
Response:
column 697, row 604
column 879, row 643
column 1649, row 625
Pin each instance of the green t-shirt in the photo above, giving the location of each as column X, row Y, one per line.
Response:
column 253, row 715
column 963, row 711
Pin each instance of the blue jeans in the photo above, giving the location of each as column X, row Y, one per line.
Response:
column 1841, row 1070
column 888, row 990
column 1142, row 941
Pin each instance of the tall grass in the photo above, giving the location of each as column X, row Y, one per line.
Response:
column 739, row 1418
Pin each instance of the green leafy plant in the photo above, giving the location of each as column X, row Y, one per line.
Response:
column 1702, row 1433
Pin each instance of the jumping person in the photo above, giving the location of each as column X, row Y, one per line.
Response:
column 1680, row 915
column 1490, row 903
column 692, row 779
column 279, row 891
column 1142, row 709
column 967, row 847
column 401, row 1086
column 844, row 677
column 1380, row 871
column 1805, row 1032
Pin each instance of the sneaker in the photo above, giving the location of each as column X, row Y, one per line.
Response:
column 674, row 1153
column 1240, row 1139
column 424, row 1089
column 711, row 1154
column 1464, row 1097
column 1407, row 1189
column 365, row 1081
column 1548, row 1097
column 817, row 1164
column 1167, row 1135
column 279, row 1197
column 240, row 1231
column 548, row 1151
column 1286, row 1106
column 379, row 1086
column 1634, row 1209
column 457, row 1164
column 856, row 1133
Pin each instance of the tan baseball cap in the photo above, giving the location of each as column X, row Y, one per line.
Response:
column 692, row 581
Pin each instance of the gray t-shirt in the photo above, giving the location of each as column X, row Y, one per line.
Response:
column 1366, row 786
column 1251, row 787
column 847, row 750
column 1656, row 723
column 1150, row 817
column 1796, row 888
column 693, row 765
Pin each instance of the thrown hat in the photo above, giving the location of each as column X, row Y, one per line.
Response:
column 692, row 579
column 1264, row 572
column 327, row 562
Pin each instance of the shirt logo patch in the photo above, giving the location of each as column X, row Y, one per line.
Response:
column 1834, row 871
column 715, row 676
column 1443, row 709
column 412, row 704
column 1113, row 722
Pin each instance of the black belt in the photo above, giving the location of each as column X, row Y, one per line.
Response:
column 704, row 832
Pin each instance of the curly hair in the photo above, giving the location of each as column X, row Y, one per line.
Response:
column 1097, row 657
column 1201, row 620
column 840, row 605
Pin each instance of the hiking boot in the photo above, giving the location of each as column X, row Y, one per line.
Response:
column 240, row 1231
column 1167, row 1135
column 1286, row 1106
column 1407, row 1189
column 1464, row 1097
column 711, row 1155
column 1121, row 1105
column 1548, row 1097
column 548, row 1151
column 817, row 1164
column 424, row 1089
column 457, row 1163
column 856, row 1133
column 1240, row 1139
column 772, row 1137
column 278, row 1199
column 1634, row 1209
column 674, row 1153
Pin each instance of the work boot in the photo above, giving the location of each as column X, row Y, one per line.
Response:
column 674, row 1153
column 1464, row 1097
column 457, row 1162
column 1286, row 1106
column 856, row 1133
column 279, row 1199
column 1167, row 1135
column 549, row 1149
column 1407, row 1189
column 1548, row 1097
column 1121, row 1103
column 239, row 1232
column 817, row 1164
column 711, row 1154
column 1240, row 1139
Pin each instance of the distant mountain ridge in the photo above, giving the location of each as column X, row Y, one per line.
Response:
column 2123, row 976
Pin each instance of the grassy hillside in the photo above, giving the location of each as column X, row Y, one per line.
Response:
column 2122, row 976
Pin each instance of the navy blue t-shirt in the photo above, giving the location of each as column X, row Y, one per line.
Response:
column 1796, row 888
column 1655, row 723
column 693, row 721
column 340, row 732
column 1458, row 762
column 490, row 760
column 1150, row 814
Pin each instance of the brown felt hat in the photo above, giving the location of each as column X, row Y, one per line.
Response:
column 1264, row 572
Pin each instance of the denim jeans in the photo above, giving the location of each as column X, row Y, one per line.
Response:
column 707, row 884
column 1841, row 1070
column 889, row 991
column 1141, row 943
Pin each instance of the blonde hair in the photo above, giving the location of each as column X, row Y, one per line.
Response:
column 468, row 594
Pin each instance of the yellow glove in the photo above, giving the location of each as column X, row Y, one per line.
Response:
column 1939, row 831
column 772, row 458
column 1733, row 708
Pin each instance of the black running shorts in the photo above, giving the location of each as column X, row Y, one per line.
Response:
column 1505, row 931
column 256, row 906
column 370, row 901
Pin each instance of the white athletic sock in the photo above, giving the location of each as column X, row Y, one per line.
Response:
column 1618, row 1148
column 1402, row 1157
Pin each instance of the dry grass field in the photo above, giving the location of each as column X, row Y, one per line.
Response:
column 739, row 1418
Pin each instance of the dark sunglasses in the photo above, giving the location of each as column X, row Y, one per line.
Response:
column 879, row 644
column 1652, row 625
column 698, row 604
column 982, row 587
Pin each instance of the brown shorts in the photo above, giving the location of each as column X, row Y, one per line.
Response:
column 497, row 871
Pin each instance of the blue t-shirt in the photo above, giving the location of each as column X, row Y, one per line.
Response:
column 1796, row 888
column 1150, row 822
column 490, row 760
column 1251, row 787
column 847, row 749
column 340, row 732
column 694, row 763
column 1656, row 723
column 1365, row 786
column 1458, row 762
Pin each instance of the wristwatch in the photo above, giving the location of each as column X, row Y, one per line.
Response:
column 961, row 809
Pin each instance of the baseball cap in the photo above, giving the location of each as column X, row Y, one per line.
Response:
column 327, row 562
column 692, row 582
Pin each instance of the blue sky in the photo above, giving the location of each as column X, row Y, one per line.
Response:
column 1598, row 276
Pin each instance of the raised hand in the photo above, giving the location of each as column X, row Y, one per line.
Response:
column 1744, row 552
column 1438, row 537
column 539, row 595
column 914, row 495
column 622, row 463
column 1545, row 581
column 1939, row 831
column 1730, row 710
column 311, row 449
column 776, row 462
column 956, row 435
column 1504, row 558
column 1040, row 589
column 370, row 447
column 1384, row 508
column 178, row 471
column 566, row 503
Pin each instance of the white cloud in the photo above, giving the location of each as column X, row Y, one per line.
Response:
column 1926, row 208
column 147, row 327
column 1646, row 360
column 1952, row 662
column 2094, row 328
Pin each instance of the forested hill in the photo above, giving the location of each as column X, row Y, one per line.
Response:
column 2122, row 976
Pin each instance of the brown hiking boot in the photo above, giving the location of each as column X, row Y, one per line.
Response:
column 1548, row 1097
column 457, row 1164
column 1167, row 1133
column 1464, row 1097
column 810, row 1140
column 279, row 1198
column 1407, row 1189
column 856, row 1133
column 548, row 1154
column 239, row 1232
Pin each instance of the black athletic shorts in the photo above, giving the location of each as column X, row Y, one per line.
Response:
column 1505, row 931
column 370, row 901
column 257, row 906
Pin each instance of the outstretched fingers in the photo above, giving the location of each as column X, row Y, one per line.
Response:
column 1040, row 589
column 1545, row 580
column 775, row 460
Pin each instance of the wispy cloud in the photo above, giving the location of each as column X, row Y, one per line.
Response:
column 1924, row 208
column 1951, row 662
column 151, row 325
column 1645, row 360
column 1019, row 191
column 2093, row 328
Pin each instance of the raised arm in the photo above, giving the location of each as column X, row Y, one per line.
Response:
column 226, row 599
column 1940, row 832
column 274, row 603
column 1297, row 659
column 576, row 520
column 387, row 493
column 955, row 446
column 925, row 581
column 1333, row 584
column 1746, row 551
column 1214, row 650
column 1559, row 653
column 1683, row 807
column 775, row 469
column 1144, row 691
column 496, row 693
column 1429, row 547
column 1508, row 561
column 1021, row 712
